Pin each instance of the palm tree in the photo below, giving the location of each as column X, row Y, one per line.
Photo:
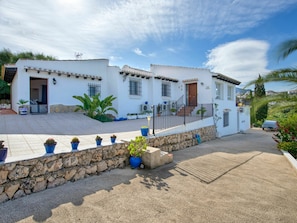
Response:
column 93, row 106
column 281, row 75
column 284, row 74
column 89, row 104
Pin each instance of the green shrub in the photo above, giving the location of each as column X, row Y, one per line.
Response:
column 287, row 131
column 291, row 147
column 138, row 146
column 103, row 118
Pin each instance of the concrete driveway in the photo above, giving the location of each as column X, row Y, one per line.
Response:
column 239, row 178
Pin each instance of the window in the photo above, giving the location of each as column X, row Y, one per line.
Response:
column 135, row 87
column 230, row 95
column 166, row 92
column 94, row 89
column 226, row 119
column 219, row 91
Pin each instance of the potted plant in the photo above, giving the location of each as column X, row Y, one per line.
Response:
column 50, row 145
column 23, row 110
column 74, row 143
column 201, row 111
column 159, row 109
column 131, row 116
column 144, row 130
column 136, row 148
column 113, row 138
column 98, row 140
column 3, row 151
column 173, row 111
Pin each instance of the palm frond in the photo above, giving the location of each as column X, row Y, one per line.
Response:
column 285, row 74
column 286, row 48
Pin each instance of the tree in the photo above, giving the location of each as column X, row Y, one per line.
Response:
column 89, row 104
column 93, row 106
column 281, row 75
column 7, row 57
column 261, row 112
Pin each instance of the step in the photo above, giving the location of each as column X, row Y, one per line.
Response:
column 154, row 157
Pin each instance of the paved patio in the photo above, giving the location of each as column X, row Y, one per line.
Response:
column 24, row 135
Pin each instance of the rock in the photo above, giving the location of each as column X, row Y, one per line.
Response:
column 19, row 172
column 3, row 176
column 28, row 184
column 101, row 166
column 91, row 169
column 19, row 193
column 80, row 174
column 39, row 186
column 97, row 156
column 54, row 165
column 70, row 161
column 85, row 159
column 38, row 169
column 110, row 163
column 11, row 189
column 69, row 174
column 56, row 182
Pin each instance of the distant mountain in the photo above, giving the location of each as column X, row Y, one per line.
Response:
column 240, row 91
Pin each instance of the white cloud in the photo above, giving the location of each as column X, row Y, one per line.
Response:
column 243, row 60
column 100, row 28
column 172, row 50
column 138, row 52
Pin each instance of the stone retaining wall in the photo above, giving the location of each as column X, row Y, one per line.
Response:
column 22, row 178
column 62, row 108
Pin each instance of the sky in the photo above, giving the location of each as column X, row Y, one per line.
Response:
column 237, row 38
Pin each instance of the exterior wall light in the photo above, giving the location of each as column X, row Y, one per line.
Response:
column 54, row 81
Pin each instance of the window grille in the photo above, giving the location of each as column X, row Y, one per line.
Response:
column 226, row 119
column 219, row 91
column 135, row 87
column 230, row 93
column 94, row 89
column 166, row 91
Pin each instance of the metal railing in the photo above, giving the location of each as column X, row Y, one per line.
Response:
column 167, row 120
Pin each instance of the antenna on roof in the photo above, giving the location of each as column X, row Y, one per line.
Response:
column 78, row 55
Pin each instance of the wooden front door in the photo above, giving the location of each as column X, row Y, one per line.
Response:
column 192, row 94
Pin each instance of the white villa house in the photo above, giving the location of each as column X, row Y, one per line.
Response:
column 51, row 85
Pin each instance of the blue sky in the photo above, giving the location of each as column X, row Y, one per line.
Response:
column 234, row 37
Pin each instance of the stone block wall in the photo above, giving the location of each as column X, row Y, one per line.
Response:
column 179, row 141
column 25, row 177
column 22, row 178
column 62, row 108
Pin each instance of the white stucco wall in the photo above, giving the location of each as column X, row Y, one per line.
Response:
column 237, row 121
column 132, row 103
column 244, row 118
column 203, row 78
column 66, row 87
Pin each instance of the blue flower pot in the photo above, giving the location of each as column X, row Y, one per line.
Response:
column 135, row 161
column 74, row 145
column 49, row 148
column 197, row 136
column 3, row 154
column 112, row 140
column 98, row 142
column 144, row 131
